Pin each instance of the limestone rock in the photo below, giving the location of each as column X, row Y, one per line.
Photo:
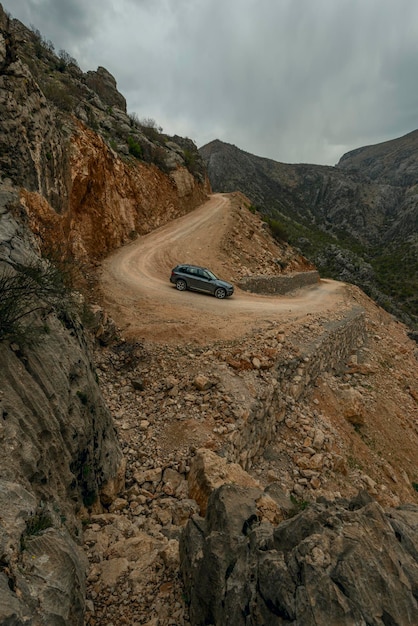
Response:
column 352, row 406
column 42, row 578
column 58, row 452
column 339, row 563
column 208, row 471
column 104, row 84
column 202, row 383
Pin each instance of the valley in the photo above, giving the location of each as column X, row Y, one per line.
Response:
column 170, row 459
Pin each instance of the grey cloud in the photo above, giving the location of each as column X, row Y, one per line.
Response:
column 64, row 22
column 293, row 80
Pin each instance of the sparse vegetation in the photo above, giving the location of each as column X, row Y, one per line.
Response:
column 151, row 129
column 353, row 463
column 134, row 148
column 397, row 275
column 35, row 525
column 298, row 505
column 65, row 60
column 278, row 229
column 26, row 289
column 158, row 156
column 189, row 158
column 59, row 95
column 41, row 44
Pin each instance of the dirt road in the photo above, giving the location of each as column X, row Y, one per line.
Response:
column 142, row 301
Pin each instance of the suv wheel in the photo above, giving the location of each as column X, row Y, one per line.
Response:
column 220, row 293
column 181, row 284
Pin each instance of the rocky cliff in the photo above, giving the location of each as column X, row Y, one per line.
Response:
column 60, row 455
column 317, row 407
column 344, row 562
column 91, row 176
column 357, row 222
column 78, row 177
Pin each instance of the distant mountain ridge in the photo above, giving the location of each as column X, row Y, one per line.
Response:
column 394, row 161
column 357, row 221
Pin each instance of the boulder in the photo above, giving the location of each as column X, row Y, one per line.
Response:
column 353, row 409
column 209, row 471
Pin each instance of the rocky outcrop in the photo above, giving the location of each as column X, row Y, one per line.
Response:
column 104, row 84
column 110, row 202
column 59, row 453
column 91, row 177
column 342, row 562
column 208, row 471
column 33, row 146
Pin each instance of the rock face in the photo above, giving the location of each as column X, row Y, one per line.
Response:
column 33, row 154
column 208, row 471
column 104, row 84
column 78, row 177
column 342, row 562
column 59, row 455
column 92, row 177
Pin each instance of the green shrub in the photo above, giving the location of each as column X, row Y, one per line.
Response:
column 189, row 158
column 277, row 229
column 298, row 505
column 134, row 148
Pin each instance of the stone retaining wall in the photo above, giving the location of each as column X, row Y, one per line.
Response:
column 273, row 285
column 290, row 381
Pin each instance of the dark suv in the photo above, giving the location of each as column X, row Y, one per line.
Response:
column 200, row 279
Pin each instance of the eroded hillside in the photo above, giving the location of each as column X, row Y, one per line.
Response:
column 90, row 175
column 303, row 399
column 304, row 396
column 356, row 221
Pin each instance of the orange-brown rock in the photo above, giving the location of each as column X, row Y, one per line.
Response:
column 111, row 201
column 209, row 471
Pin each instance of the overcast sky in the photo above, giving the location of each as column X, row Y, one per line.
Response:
column 292, row 80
